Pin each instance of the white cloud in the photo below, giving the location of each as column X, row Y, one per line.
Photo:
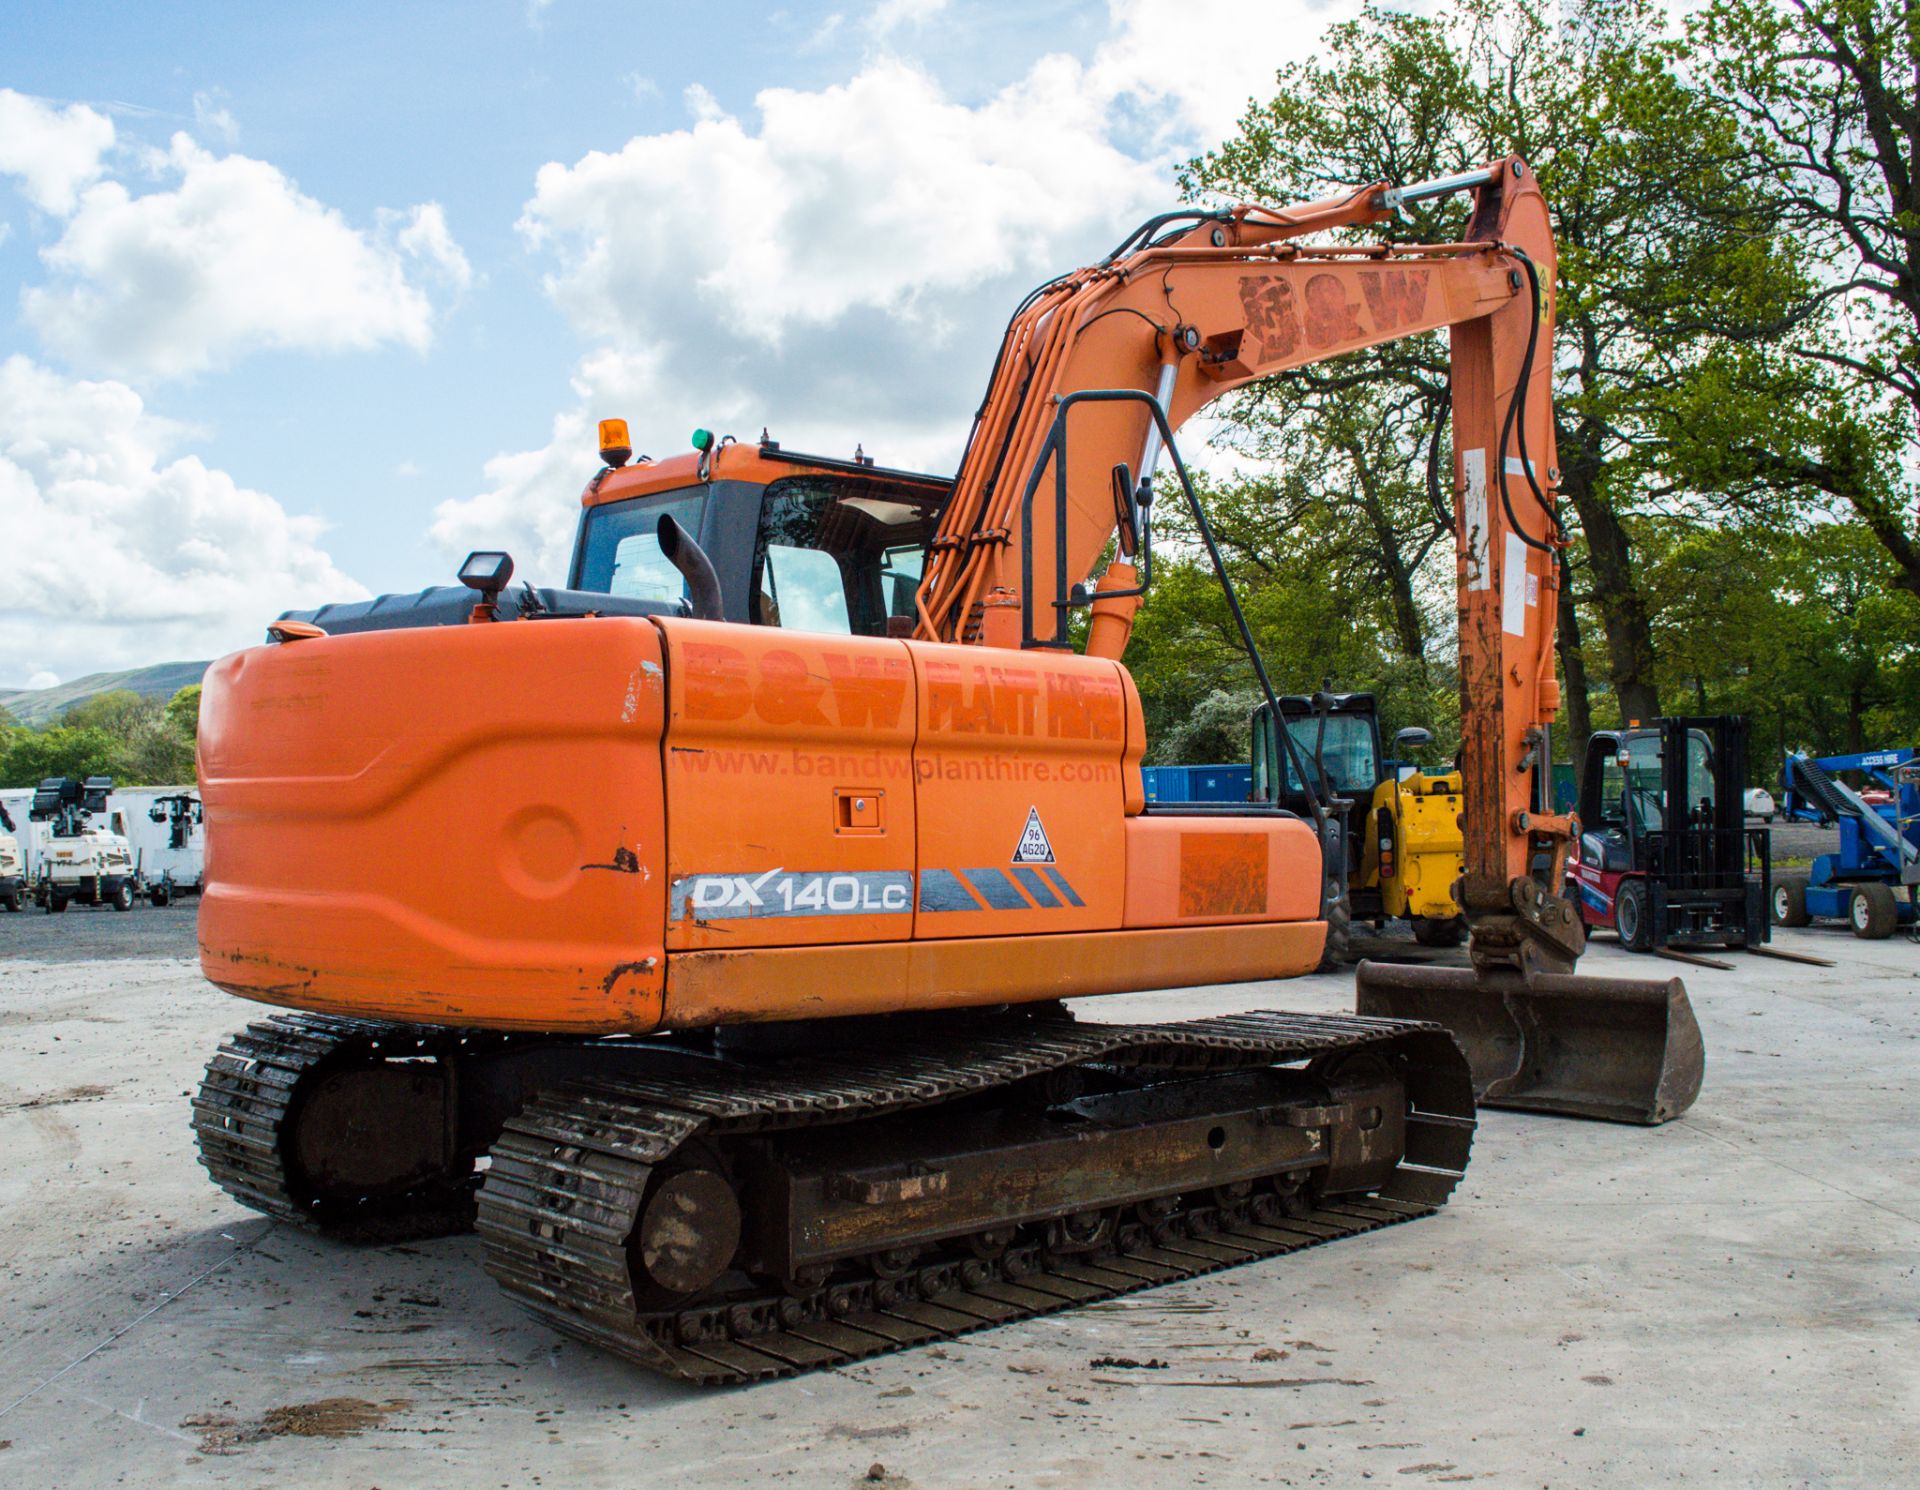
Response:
column 232, row 259
column 212, row 117
column 824, row 35
column 890, row 16
column 122, row 552
column 54, row 152
column 424, row 238
column 877, row 194
column 44, row 679
column 1204, row 58
column 892, row 230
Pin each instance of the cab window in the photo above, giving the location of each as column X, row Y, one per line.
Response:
column 620, row 554
column 802, row 590
column 841, row 554
column 1613, row 787
column 1346, row 751
column 1700, row 788
column 1643, row 786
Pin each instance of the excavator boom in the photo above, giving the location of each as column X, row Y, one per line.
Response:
column 1212, row 304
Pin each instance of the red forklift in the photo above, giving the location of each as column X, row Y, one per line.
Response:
column 1665, row 858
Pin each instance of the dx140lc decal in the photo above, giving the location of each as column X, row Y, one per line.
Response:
column 874, row 892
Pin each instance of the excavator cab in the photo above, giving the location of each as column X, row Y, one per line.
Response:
column 807, row 543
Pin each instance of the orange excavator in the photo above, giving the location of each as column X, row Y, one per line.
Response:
column 699, row 931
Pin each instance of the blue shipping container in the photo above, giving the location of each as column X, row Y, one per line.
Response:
column 1224, row 783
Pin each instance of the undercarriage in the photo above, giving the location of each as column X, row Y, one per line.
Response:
column 726, row 1209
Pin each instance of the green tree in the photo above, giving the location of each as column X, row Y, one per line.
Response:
column 1828, row 95
column 136, row 740
column 183, row 712
column 119, row 712
column 30, row 756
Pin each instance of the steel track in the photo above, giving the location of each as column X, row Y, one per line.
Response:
column 569, row 1176
column 249, row 1099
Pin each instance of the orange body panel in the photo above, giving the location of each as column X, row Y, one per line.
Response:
column 789, row 770
column 460, row 825
column 706, row 988
column 1010, row 741
column 1199, row 871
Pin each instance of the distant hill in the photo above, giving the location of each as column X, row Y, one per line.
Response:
column 45, row 705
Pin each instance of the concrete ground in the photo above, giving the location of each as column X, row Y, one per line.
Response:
column 1728, row 1300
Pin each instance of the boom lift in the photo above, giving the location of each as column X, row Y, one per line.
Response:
column 1870, row 882
column 784, row 829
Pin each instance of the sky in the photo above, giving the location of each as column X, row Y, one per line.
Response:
column 302, row 303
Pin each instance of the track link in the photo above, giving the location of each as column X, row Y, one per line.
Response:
column 247, row 1106
column 569, row 1176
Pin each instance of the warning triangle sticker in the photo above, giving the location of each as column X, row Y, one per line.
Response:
column 1034, row 848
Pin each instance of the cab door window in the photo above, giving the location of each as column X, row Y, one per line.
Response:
column 1644, row 789
column 801, row 589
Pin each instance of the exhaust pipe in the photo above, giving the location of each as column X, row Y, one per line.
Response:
column 703, row 585
column 1626, row 1050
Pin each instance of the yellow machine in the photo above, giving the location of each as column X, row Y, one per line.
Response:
column 1416, row 853
column 1403, row 844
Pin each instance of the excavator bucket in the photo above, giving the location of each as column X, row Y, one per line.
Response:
column 1623, row 1049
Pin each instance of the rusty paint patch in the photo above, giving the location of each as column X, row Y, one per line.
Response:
column 1267, row 301
column 1223, row 874
column 1331, row 318
column 640, row 969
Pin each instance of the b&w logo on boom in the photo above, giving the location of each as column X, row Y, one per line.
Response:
column 1034, row 848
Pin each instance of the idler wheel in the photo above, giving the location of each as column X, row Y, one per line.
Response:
column 689, row 1230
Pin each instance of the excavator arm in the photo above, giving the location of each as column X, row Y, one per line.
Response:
column 1097, row 371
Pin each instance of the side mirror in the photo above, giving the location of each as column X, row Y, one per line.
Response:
column 1413, row 737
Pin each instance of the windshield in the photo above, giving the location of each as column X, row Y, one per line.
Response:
column 1346, row 750
column 621, row 555
column 1641, row 787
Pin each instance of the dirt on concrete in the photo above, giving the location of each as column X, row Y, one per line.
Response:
column 330, row 1417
